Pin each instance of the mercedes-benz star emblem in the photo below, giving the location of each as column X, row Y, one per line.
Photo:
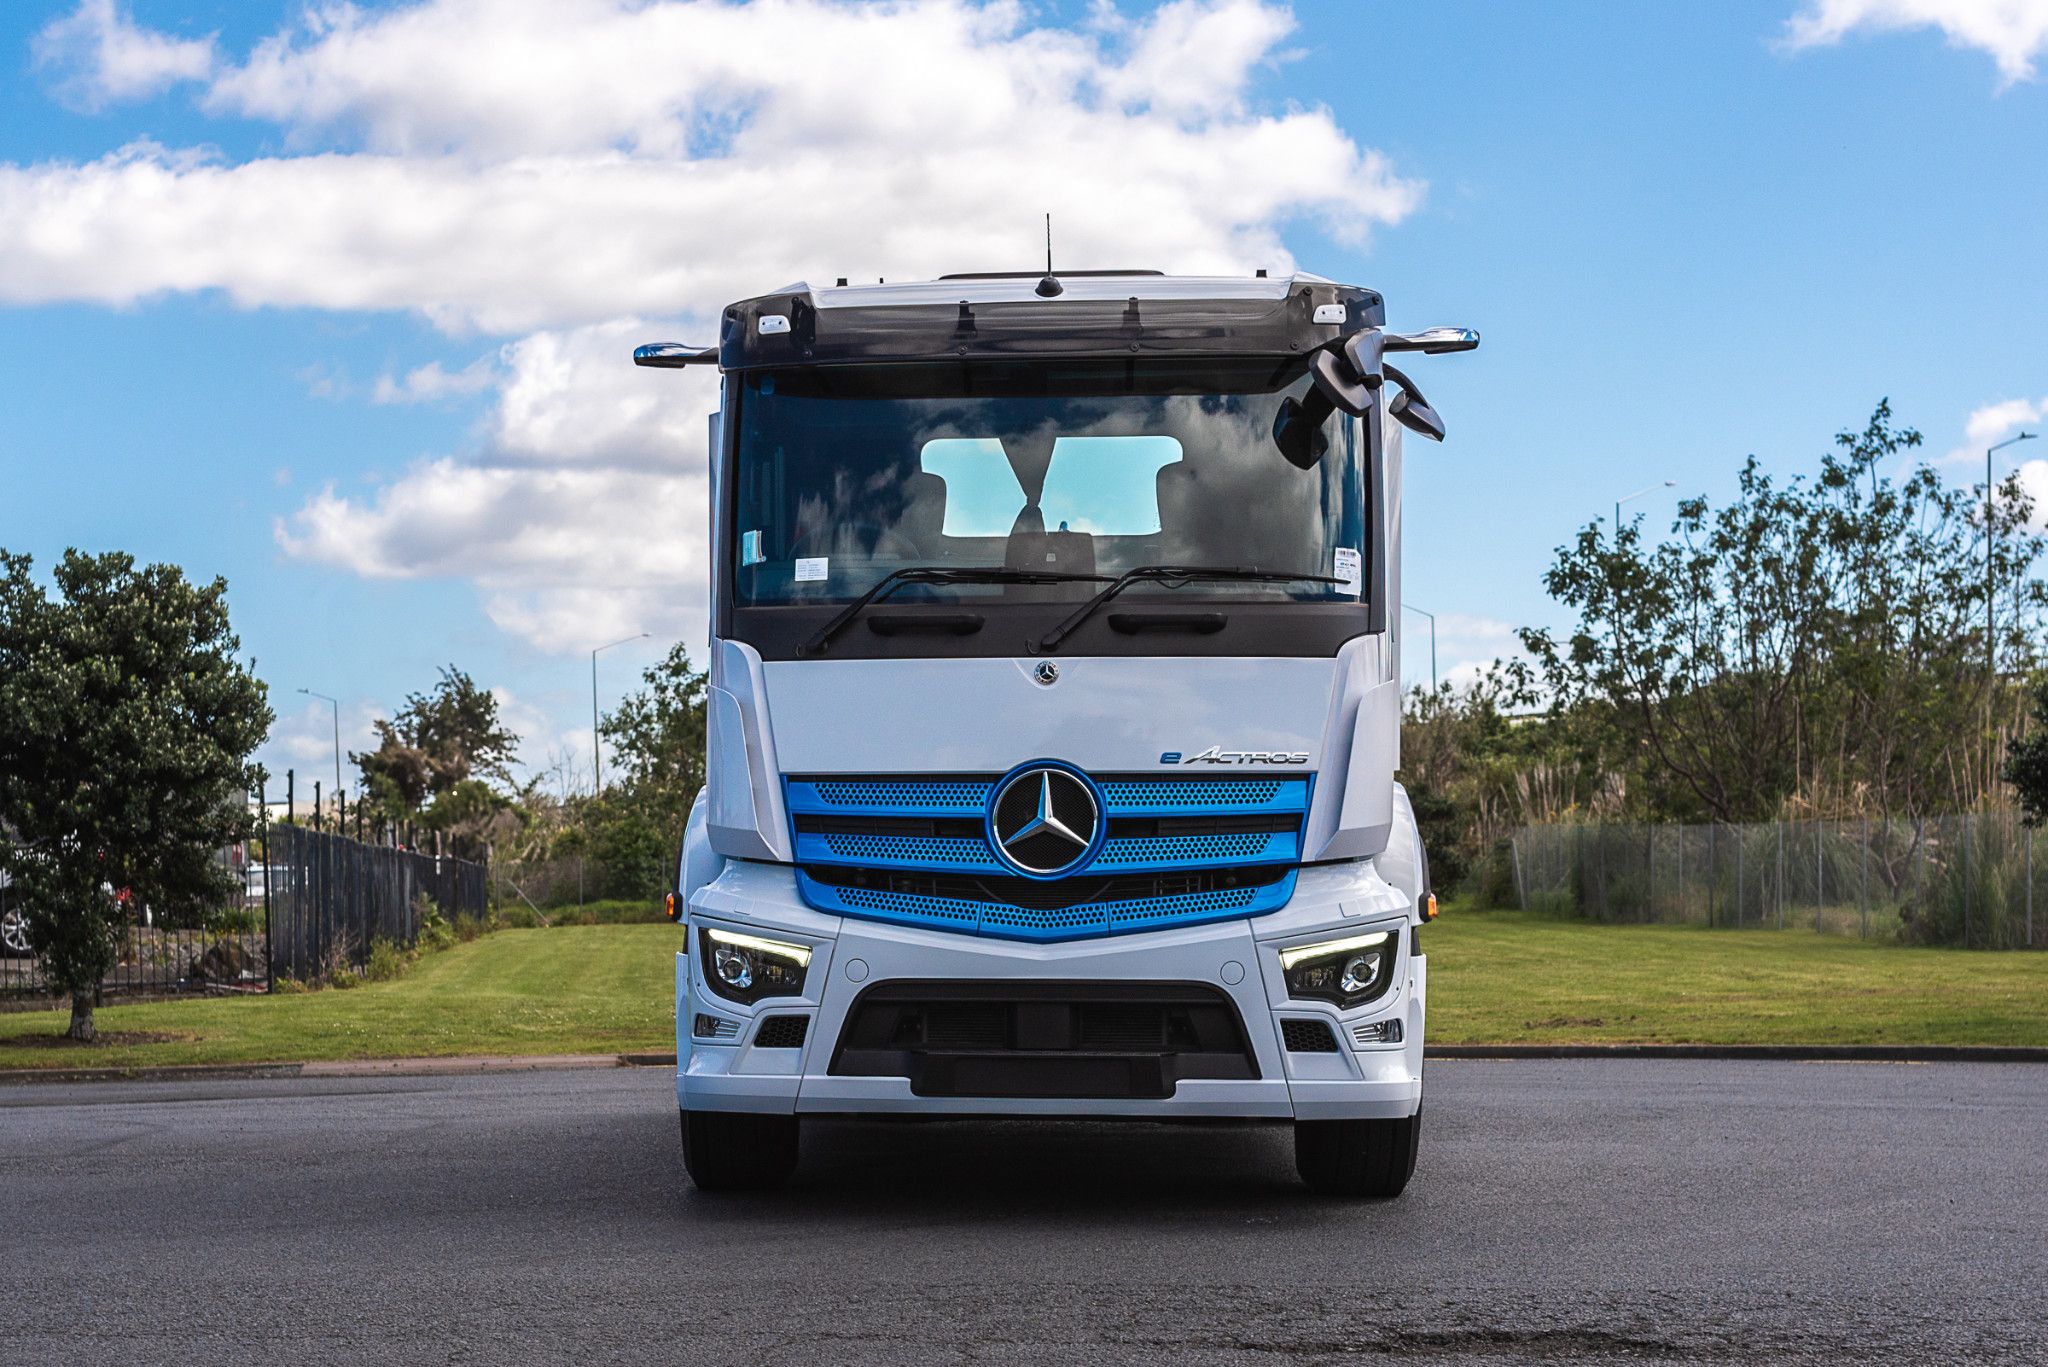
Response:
column 1044, row 819
column 1047, row 672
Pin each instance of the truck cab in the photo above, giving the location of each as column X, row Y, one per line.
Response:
column 1053, row 717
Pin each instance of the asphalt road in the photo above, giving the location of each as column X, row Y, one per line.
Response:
column 1583, row 1210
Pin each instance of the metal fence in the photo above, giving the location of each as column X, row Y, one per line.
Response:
column 223, row 949
column 549, row 885
column 305, row 904
column 1975, row 880
column 330, row 897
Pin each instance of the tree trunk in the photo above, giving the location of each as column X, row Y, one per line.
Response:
column 81, row 1018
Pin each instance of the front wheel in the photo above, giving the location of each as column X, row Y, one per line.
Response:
column 14, row 935
column 1370, row 1159
column 735, row 1151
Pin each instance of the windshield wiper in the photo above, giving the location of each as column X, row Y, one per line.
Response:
column 934, row 574
column 1174, row 576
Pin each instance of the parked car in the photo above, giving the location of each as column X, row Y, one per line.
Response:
column 13, row 926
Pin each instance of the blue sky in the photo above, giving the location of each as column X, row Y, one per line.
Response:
column 398, row 426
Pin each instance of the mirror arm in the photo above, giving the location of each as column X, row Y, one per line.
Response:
column 674, row 355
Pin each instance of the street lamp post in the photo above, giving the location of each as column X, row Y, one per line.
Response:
column 1990, row 595
column 1626, row 498
column 336, row 705
column 1432, row 641
column 596, row 741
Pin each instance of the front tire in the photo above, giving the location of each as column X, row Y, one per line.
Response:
column 736, row 1151
column 1359, row 1159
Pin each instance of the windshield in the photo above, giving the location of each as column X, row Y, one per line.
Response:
column 1079, row 467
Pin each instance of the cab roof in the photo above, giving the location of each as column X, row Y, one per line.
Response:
column 1016, row 315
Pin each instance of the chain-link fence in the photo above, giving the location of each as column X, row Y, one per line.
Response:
column 551, row 885
column 1975, row 880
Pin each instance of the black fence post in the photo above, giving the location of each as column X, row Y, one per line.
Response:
column 291, row 808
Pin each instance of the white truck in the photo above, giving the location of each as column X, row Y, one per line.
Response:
column 1053, row 717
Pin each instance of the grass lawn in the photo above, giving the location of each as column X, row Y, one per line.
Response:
column 1496, row 977
column 568, row 990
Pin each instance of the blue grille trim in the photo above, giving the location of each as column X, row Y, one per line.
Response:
column 1031, row 923
column 1163, row 796
column 1149, row 854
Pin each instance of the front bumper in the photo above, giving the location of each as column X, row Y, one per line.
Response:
column 1240, row 958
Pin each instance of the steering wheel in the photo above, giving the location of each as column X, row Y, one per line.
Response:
column 886, row 542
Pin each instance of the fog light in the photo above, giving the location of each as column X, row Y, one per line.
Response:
column 1378, row 1032
column 706, row 1026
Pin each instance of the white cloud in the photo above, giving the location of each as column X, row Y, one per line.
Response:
column 302, row 740
column 1992, row 423
column 99, row 56
column 2013, row 33
column 430, row 383
column 545, row 171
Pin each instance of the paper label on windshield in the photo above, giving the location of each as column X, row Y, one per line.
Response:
column 1347, row 569
column 750, row 548
column 810, row 568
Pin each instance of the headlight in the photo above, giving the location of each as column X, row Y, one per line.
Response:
column 746, row 968
column 1349, row 972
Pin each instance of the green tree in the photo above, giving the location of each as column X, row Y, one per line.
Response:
column 444, row 740
column 2026, row 762
column 1820, row 640
column 635, row 827
column 126, row 730
column 657, row 734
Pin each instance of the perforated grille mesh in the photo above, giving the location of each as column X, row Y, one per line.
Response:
column 881, row 794
column 912, row 849
column 1191, row 794
column 1184, row 849
column 904, row 904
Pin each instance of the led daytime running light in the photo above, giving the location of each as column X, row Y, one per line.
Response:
column 781, row 948
column 1300, row 953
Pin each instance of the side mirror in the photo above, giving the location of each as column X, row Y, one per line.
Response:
column 1298, row 429
column 674, row 355
column 1433, row 341
column 1344, row 387
column 1411, row 410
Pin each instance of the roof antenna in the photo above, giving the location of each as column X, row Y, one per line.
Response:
column 1050, row 286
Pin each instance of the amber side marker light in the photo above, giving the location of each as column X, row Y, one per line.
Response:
column 673, row 905
column 1428, row 907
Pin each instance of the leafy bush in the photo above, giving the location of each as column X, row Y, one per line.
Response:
column 388, row 961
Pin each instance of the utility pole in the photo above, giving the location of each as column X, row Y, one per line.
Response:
column 337, row 733
column 1432, row 641
column 1990, row 602
column 596, row 741
column 1629, row 498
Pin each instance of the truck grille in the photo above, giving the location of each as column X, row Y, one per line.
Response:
column 1178, row 851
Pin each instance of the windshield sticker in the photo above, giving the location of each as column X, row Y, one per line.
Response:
column 810, row 568
column 750, row 548
column 1347, row 569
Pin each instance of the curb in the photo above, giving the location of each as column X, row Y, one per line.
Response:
column 1782, row 1053
column 471, row 1065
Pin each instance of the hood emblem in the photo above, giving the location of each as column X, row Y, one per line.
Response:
column 1045, row 819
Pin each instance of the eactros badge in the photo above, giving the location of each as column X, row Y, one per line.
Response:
column 1217, row 755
